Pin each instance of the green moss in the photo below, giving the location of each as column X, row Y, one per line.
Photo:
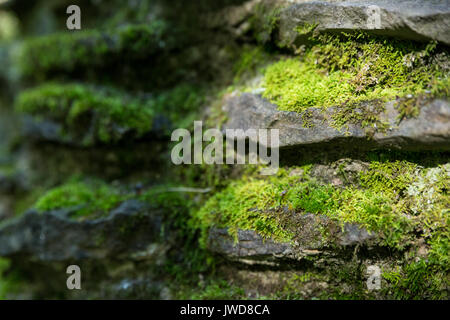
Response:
column 69, row 52
column 394, row 176
column 306, row 29
column 265, row 21
column 87, row 200
column 293, row 86
column 4, row 264
column 7, row 171
column 293, row 286
column 408, row 107
column 251, row 58
column 417, row 281
column 10, row 281
column 98, row 114
column 180, row 105
column 399, row 201
column 350, row 69
column 366, row 115
column 240, row 206
column 77, row 106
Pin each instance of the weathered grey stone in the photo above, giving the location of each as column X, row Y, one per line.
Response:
column 129, row 231
column 45, row 130
column 250, row 247
column 409, row 19
column 249, row 244
column 429, row 131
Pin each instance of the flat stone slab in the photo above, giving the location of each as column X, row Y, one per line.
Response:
column 421, row 20
column 250, row 247
column 429, row 131
column 130, row 231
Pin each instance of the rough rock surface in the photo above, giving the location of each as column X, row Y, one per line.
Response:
column 429, row 131
column 250, row 247
column 44, row 130
column 410, row 19
column 152, row 250
column 130, row 231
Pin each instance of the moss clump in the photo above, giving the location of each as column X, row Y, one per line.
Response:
column 364, row 114
column 68, row 52
column 265, row 21
column 10, row 281
column 293, row 86
column 251, row 58
column 405, row 204
column 4, row 264
column 417, row 281
column 350, row 69
column 90, row 114
column 87, row 200
column 400, row 201
column 241, row 206
column 306, row 29
column 394, row 176
column 106, row 112
column 179, row 104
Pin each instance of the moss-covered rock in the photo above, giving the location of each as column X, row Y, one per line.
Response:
column 347, row 128
column 95, row 153
column 352, row 69
column 403, row 205
column 92, row 51
column 87, row 115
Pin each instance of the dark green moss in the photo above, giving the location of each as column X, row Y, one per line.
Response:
column 213, row 290
column 91, row 114
column 11, row 282
column 180, row 105
column 69, row 53
column 77, row 106
column 251, row 59
column 264, row 21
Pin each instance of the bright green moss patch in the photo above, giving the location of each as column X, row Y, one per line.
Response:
column 105, row 113
column 404, row 204
column 395, row 176
column 293, row 85
column 351, row 69
column 239, row 207
column 395, row 200
column 67, row 52
column 94, row 199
